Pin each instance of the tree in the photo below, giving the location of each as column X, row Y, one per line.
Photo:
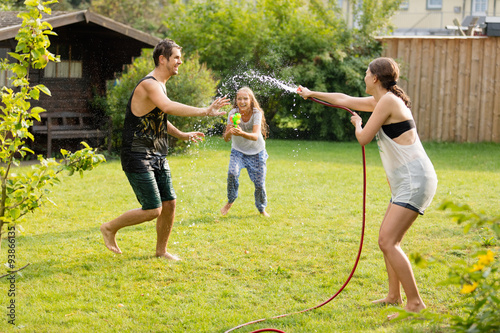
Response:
column 143, row 15
column 306, row 42
column 372, row 16
column 24, row 193
column 8, row 5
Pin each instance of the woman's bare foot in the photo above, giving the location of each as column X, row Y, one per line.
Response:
column 264, row 213
column 388, row 301
column 392, row 316
column 110, row 239
column 226, row 208
column 168, row 256
column 417, row 307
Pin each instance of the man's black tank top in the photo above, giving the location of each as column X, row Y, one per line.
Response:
column 144, row 139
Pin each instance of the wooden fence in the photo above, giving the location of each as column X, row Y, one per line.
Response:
column 454, row 85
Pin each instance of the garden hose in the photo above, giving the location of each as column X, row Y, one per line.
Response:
column 357, row 258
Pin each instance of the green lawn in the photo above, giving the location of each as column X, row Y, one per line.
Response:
column 241, row 267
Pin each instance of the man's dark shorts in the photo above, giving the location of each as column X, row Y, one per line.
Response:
column 152, row 188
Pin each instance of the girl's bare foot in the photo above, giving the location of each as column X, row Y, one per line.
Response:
column 110, row 239
column 226, row 208
column 264, row 213
column 168, row 256
column 388, row 301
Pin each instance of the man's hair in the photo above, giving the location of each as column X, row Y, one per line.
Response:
column 164, row 48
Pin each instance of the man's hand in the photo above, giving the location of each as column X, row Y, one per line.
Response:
column 193, row 136
column 213, row 109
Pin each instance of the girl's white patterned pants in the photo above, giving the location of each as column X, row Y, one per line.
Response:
column 256, row 167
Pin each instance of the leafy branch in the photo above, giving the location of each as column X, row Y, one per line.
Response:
column 477, row 278
column 22, row 193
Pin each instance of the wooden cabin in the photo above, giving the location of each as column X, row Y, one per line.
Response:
column 92, row 49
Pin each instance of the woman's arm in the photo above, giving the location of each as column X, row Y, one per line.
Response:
column 366, row 104
column 381, row 113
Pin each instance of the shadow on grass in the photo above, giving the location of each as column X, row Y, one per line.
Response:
column 80, row 251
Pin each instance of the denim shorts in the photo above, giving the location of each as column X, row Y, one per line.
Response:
column 152, row 188
column 407, row 205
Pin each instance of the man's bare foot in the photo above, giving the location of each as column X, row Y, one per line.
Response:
column 264, row 213
column 168, row 256
column 226, row 208
column 409, row 308
column 110, row 239
column 388, row 301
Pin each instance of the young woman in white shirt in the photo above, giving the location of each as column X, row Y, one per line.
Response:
column 409, row 171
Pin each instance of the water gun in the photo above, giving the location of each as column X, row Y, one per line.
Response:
column 235, row 119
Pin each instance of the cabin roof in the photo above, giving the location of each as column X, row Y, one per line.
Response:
column 10, row 24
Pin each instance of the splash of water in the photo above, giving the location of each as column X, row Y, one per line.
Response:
column 260, row 83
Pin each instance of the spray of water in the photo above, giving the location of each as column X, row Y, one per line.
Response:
column 262, row 84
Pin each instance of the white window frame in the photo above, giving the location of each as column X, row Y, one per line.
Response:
column 65, row 69
column 5, row 80
column 483, row 7
column 405, row 5
column 434, row 4
column 5, row 75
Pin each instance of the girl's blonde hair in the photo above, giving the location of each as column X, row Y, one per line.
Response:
column 254, row 104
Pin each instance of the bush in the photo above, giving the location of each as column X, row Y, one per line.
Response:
column 194, row 86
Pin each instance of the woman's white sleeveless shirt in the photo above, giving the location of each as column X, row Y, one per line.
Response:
column 409, row 170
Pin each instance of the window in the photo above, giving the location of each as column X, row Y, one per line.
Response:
column 4, row 79
column 64, row 69
column 404, row 5
column 434, row 4
column 5, row 74
column 70, row 65
column 479, row 7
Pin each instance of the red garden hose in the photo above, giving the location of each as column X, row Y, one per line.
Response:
column 357, row 258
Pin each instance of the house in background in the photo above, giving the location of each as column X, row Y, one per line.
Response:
column 434, row 17
column 92, row 49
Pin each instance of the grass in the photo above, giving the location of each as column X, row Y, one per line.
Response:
column 242, row 267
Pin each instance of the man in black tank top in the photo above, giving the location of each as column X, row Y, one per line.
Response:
column 144, row 148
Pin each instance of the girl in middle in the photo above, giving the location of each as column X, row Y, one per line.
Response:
column 248, row 149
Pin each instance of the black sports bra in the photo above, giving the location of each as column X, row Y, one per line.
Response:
column 396, row 129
